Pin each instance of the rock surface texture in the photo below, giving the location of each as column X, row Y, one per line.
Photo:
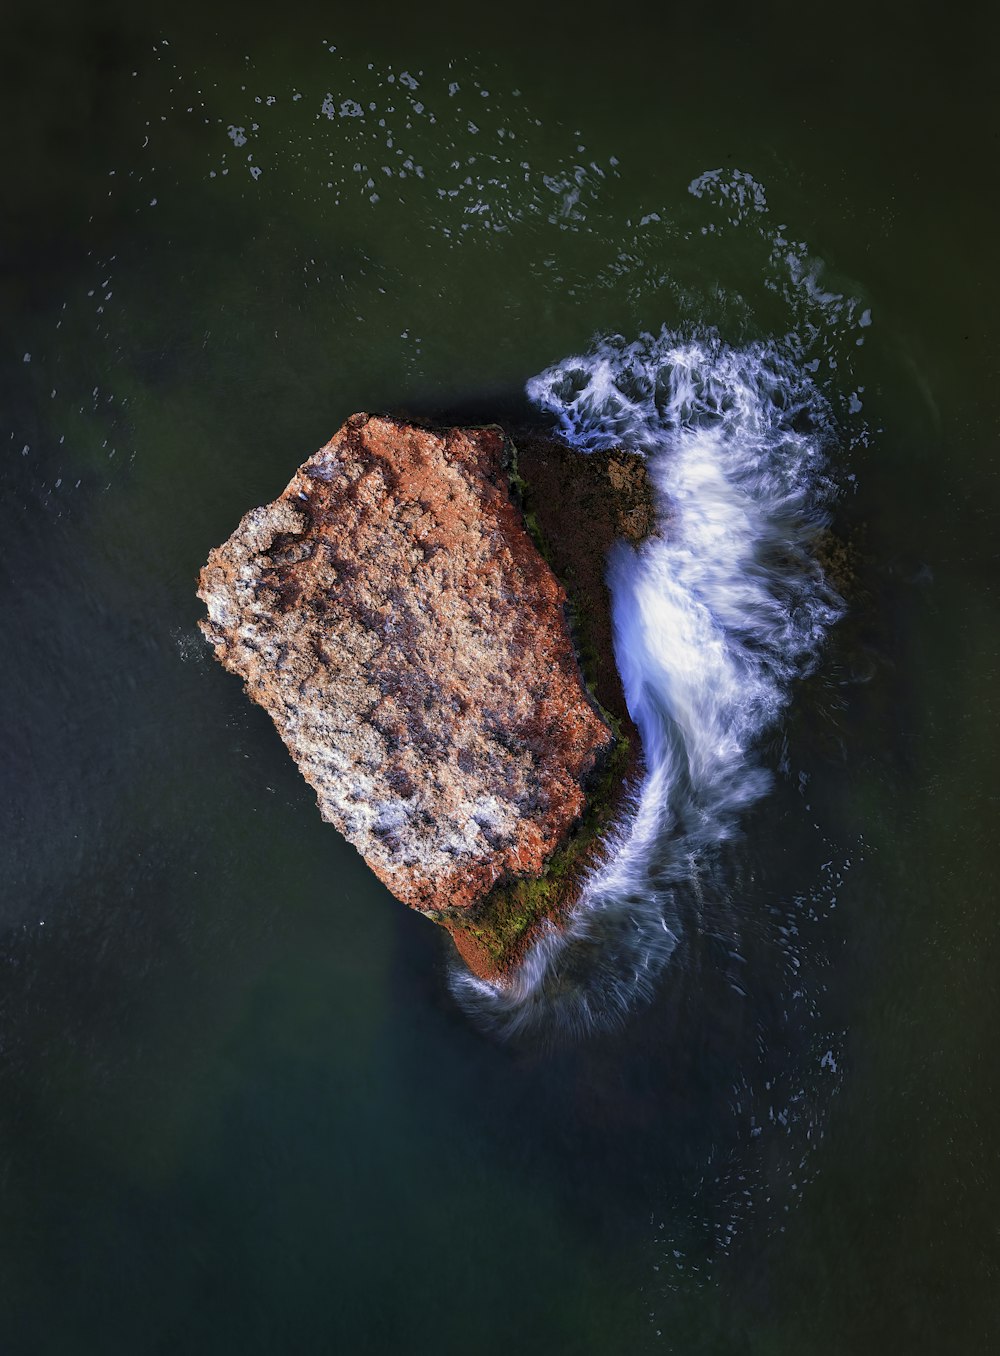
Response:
column 392, row 613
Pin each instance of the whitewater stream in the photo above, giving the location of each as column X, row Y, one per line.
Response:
column 714, row 617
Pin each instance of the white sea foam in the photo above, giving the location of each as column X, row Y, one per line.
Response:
column 713, row 619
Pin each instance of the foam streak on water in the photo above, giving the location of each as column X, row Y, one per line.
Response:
column 713, row 619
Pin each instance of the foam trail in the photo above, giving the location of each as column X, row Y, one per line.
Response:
column 713, row 619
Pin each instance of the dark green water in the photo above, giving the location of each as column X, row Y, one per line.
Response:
column 239, row 1111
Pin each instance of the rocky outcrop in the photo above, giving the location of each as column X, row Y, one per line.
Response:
column 392, row 613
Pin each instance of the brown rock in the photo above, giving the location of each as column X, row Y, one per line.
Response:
column 393, row 615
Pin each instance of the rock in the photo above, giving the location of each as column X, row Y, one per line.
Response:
column 392, row 613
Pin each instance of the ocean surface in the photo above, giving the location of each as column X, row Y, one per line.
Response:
column 750, row 1106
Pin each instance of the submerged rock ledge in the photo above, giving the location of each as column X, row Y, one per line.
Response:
column 394, row 614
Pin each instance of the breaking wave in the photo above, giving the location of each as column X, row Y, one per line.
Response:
column 714, row 617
